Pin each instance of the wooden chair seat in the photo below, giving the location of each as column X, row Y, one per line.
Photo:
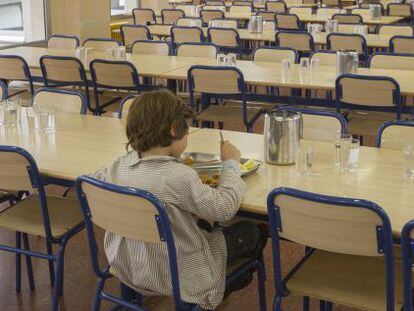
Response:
column 26, row 216
column 356, row 281
column 226, row 113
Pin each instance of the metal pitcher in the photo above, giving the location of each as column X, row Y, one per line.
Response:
column 256, row 24
column 346, row 62
column 375, row 10
column 282, row 132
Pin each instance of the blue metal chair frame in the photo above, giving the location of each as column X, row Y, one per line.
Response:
column 166, row 236
column 396, row 95
column 26, row 70
column 56, row 275
column 155, row 42
column 82, row 75
column 340, row 14
column 340, row 118
column 195, row 43
column 149, row 36
column 364, row 47
column 301, row 53
column 121, row 105
column 135, row 77
column 392, row 47
column 384, row 234
column 378, row 138
column 3, row 87
column 101, row 40
column 223, row 16
column 200, row 31
column 154, row 18
column 238, row 49
column 65, row 36
column 288, row 29
column 407, row 246
column 170, row 10
column 205, row 97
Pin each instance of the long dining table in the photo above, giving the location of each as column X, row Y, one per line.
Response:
column 77, row 147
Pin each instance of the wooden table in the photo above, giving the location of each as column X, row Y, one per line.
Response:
column 78, row 148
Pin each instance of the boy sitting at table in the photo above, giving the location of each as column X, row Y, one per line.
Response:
column 157, row 132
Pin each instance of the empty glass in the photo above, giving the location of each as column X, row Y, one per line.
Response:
column 287, row 64
column 45, row 118
column 221, row 59
column 350, row 155
column 117, row 54
column 304, row 161
column 340, row 141
column 304, row 65
column 314, row 64
column 9, row 113
column 409, row 160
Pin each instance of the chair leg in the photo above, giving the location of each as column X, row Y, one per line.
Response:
column 329, row 306
column 277, row 303
column 261, row 278
column 305, row 303
column 322, row 305
column 18, row 263
column 28, row 262
column 97, row 300
column 51, row 264
column 58, row 288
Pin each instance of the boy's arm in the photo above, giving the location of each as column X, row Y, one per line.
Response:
column 214, row 204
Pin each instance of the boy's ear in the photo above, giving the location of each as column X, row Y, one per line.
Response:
column 173, row 131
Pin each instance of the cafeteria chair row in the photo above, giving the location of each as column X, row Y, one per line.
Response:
column 352, row 233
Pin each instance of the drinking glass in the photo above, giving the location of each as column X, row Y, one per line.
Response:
column 350, row 155
column 9, row 113
column 340, row 141
column 46, row 118
column 304, row 65
column 231, row 59
column 304, row 161
column 409, row 160
column 314, row 64
column 221, row 59
column 110, row 54
column 120, row 53
column 286, row 68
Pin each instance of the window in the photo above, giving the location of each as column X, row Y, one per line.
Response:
column 121, row 7
column 21, row 21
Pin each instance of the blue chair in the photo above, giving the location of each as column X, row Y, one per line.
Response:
column 407, row 243
column 139, row 206
column 402, row 44
column 289, row 22
column 144, row 16
column 349, row 245
column 151, row 47
column 15, row 68
column 348, row 18
column 54, row 218
column 374, row 93
column 220, row 83
column 171, row 16
column 301, row 41
column 226, row 39
column 319, row 125
column 186, row 34
column 65, row 71
column 64, row 100
column 67, row 42
column 348, row 41
column 132, row 33
column 200, row 49
column 395, row 134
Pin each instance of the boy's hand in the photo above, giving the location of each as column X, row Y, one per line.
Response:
column 229, row 152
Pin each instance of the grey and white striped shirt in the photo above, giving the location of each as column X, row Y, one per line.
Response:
column 201, row 255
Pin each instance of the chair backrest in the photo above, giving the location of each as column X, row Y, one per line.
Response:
column 130, row 213
column 407, row 241
column 328, row 12
column 402, row 30
column 300, row 10
column 276, row 6
column 287, row 21
column 240, row 9
column 348, row 18
column 215, row 80
column 326, row 58
column 400, row 9
column 100, row 43
column 347, row 28
column 320, row 125
column 63, row 100
column 242, row 3
column 144, row 16
column 181, row 34
column 132, row 33
column 298, row 40
column 334, row 224
column 362, row 12
column 151, row 47
column 125, row 105
column 272, row 54
column 331, row 3
column 224, row 37
column 13, row 67
column 269, row 25
column 170, row 16
column 197, row 50
column 189, row 21
column 63, row 70
column 215, row 3
column 186, row 8
column 267, row 16
column 342, row 41
column 114, row 74
column 19, row 171
column 209, row 15
column 66, row 42
column 402, row 44
column 225, row 23
column 368, row 92
column 395, row 134
column 393, row 61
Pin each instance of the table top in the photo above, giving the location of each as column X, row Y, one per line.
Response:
column 77, row 148
column 383, row 20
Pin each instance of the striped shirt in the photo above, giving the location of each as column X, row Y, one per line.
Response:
column 201, row 255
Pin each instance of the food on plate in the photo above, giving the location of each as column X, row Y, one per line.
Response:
column 188, row 161
column 212, row 180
